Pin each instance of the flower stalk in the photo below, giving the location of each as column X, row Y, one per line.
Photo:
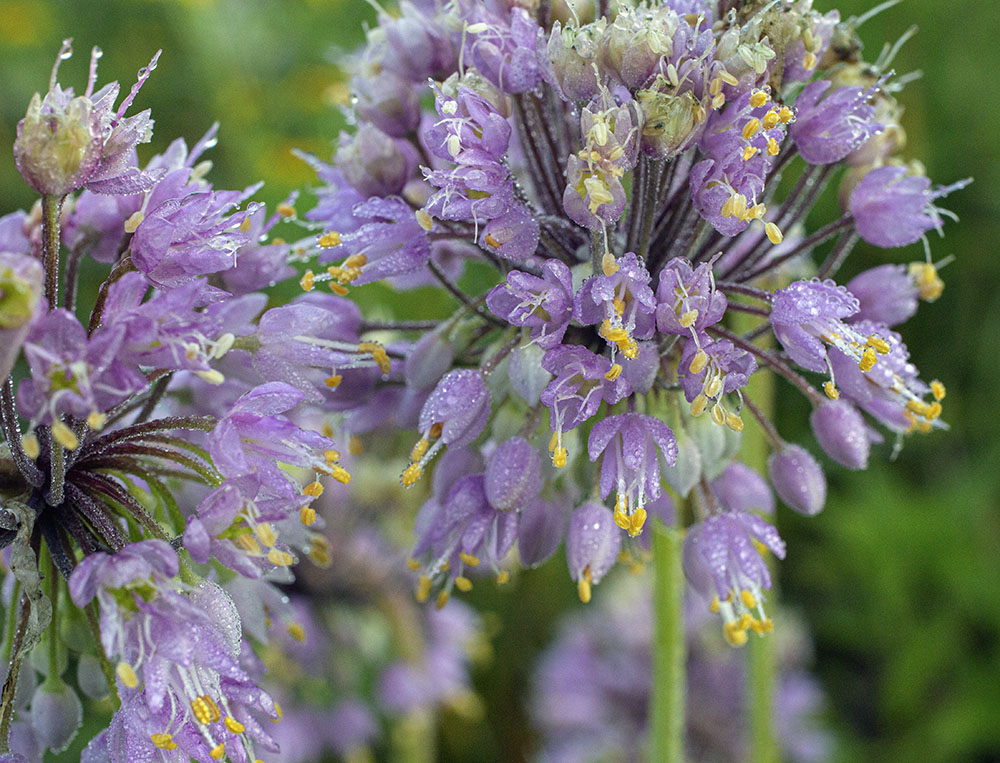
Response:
column 667, row 703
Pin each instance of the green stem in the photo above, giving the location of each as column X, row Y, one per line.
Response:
column 14, row 669
column 53, row 681
column 761, row 656
column 93, row 622
column 669, row 645
column 51, row 205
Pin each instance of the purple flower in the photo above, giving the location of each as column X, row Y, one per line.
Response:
column 710, row 371
column 687, row 301
column 454, row 415
column 543, row 304
column 568, row 61
column 722, row 563
column 260, row 264
column 892, row 391
column 502, row 49
column 514, row 235
column 827, row 129
column 892, row 208
column 252, row 438
column 620, row 301
column 416, row 45
column 886, row 294
column 177, row 650
column 73, row 374
column 66, row 142
column 629, row 442
column 592, row 544
column 809, row 315
column 582, row 381
column 540, row 531
column 471, row 131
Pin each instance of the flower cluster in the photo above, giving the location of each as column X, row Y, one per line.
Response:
column 619, row 175
column 158, row 455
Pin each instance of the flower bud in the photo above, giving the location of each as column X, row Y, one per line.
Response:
column 686, row 472
column 592, row 544
column 886, row 294
column 57, row 145
column 513, row 474
column 540, row 531
column 798, row 479
column 669, row 121
column 427, row 361
column 572, row 55
column 90, row 678
column 372, row 162
column 841, row 433
column 641, row 371
column 526, row 374
column 740, row 488
column 56, row 715
column 460, row 403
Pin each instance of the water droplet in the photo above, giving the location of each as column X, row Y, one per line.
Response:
column 212, row 143
column 142, row 72
column 96, row 52
column 66, row 51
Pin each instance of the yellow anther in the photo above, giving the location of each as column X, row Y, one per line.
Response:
column 868, row 359
column 411, row 474
column 63, row 435
column 748, row 599
column 218, row 751
column 773, row 232
column 338, row 289
column 29, row 443
column 307, row 515
column 749, row 153
column 377, row 352
column 715, row 87
column 435, row 431
column 750, row 128
column 831, row 390
column 492, row 242
column 331, row 455
column 735, row 635
column 355, row 446
column 163, row 741
column 468, row 559
column 247, row 542
column 744, row 622
column 698, row 405
column 96, row 420
column 614, row 372
column 619, row 305
column 133, row 221
column 761, row 627
column 339, row 473
column 419, row 449
column 463, row 584
column 698, row 362
column 234, row 725
column 583, row 589
column 613, row 333
column 329, row 240
column 688, row 318
column 315, row 489
column 718, row 414
column 127, row 675
column 758, row 99
column 928, row 282
column 424, row 220
column 629, row 348
column 756, row 212
column 319, row 550
column 559, row 458
column 879, row 344
column 772, row 147
column 205, row 710
column 308, row 281
column 728, row 78
column 354, row 262
column 503, row 577
column 445, row 566
column 266, row 534
column 714, row 605
column 718, row 101
column 280, row 558
column 934, row 411
column 809, row 61
column 786, row 115
column 423, row 588
column 413, row 565
column 609, row 266
column 442, row 599
column 621, row 519
column 734, row 422
column 938, row 390
column 285, row 210
column 770, row 120
column 713, row 386
column 637, row 520
column 298, row 633
column 918, row 407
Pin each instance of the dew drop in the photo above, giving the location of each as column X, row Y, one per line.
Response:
column 96, row 52
column 66, row 51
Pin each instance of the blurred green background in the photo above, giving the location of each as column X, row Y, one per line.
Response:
column 898, row 577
